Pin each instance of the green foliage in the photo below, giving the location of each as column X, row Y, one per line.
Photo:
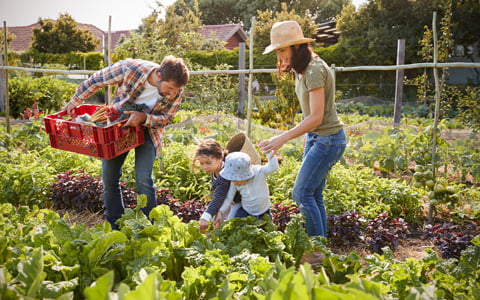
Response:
column 24, row 179
column 268, row 17
column 369, row 35
column 354, row 188
column 49, row 93
column 280, row 113
column 178, row 175
column 72, row 60
column 217, row 92
column 10, row 38
column 62, row 36
column 210, row 59
column 158, row 36
column 330, row 9
column 467, row 103
column 242, row 11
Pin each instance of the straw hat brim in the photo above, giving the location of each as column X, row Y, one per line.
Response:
column 283, row 45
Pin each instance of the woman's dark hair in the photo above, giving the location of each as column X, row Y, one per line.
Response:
column 301, row 57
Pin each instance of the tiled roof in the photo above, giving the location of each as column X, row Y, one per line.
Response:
column 24, row 34
column 223, row 32
column 327, row 33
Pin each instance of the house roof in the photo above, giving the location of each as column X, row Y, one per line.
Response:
column 223, row 32
column 327, row 33
column 24, row 34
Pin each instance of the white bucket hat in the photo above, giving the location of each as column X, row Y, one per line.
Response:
column 237, row 167
column 286, row 33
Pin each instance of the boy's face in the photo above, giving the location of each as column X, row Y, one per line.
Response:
column 239, row 183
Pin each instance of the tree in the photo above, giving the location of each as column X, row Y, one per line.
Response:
column 62, row 36
column 330, row 9
column 241, row 11
column 266, row 19
column 176, row 33
column 10, row 38
column 369, row 36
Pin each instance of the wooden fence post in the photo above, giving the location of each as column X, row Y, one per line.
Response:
column 397, row 113
column 2, row 86
column 437, row 107
column 4, row 83
column 241, row 80
column 250, row 80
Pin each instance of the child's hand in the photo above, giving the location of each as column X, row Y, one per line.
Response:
column 203, row 226
column 218, row 219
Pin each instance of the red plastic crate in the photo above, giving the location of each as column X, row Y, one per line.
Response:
column 102, row 142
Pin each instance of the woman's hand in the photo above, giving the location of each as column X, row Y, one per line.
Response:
column 271, row 145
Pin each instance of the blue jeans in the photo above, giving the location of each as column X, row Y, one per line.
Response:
column 242, row 213
column 320, row 154
column 112, row 171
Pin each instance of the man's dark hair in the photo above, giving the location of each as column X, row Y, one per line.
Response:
column 174, row 69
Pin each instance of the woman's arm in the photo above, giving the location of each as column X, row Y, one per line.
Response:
column 317, row 108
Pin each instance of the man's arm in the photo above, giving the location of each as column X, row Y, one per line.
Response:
column 107, row 76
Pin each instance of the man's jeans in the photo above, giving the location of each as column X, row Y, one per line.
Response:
column 112, row 171
column 320, row 154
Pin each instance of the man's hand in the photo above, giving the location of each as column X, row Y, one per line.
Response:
column 136, row 118
column 202, row 225
column 70, row 108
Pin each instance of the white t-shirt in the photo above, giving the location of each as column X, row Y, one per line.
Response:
column 149, row 96
column 255, row 193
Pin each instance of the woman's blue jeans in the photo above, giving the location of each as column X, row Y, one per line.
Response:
column 320, row 154
column 112, row 171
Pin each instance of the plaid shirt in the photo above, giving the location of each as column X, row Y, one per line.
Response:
column 130, row 76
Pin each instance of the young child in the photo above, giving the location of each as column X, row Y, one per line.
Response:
column 210, row 155
column 251, row 182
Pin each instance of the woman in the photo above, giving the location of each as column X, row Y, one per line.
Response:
column 325, row 138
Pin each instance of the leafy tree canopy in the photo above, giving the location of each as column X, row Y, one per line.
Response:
column 62, row 36
column 241, row 11
column 157, row 37
column 330, row 9
column 369, row 35
column 10, row 38
column 266, row 19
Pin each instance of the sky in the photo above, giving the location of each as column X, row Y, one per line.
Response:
column 126, row 14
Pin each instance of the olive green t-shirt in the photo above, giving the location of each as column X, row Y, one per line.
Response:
column 316, row 75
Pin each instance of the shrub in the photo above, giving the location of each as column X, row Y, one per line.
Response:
column 49, row 93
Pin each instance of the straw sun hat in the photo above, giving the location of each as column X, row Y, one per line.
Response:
column 286, row 33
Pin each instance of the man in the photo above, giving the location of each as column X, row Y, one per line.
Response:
column 160, row 89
